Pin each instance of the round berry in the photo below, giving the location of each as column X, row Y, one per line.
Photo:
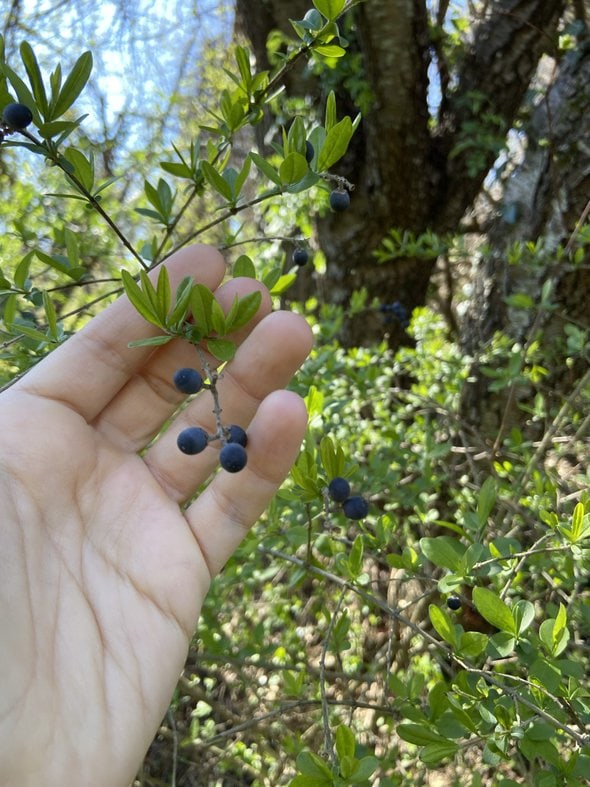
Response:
column 300, row 256
column 17, row 116
column 339, row 489
column 188, row 381
column 192, row 440
column 355, row 507
column 454, row 602
column 237, row 435
column 233, row 457
column 339, row 200
column 309, row 152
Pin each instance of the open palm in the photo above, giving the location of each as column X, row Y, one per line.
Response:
column 103, row 571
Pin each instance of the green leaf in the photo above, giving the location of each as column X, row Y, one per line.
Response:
column 73, row 86
column 293, row 169
column 216, row 180
column 329, row 8
column 266, row 168
column 271, row 278
column 331, row 116
column 335, row 144
column 443, row 551
column 345, row 742
column 312, row 781
column 51, row 316
column 472, row 644
column 355, row 558
column 578, row 522
column 182, row 299
column 83, row 168
column 332, row 457
column 329, row 50
column 443, row 624
column 35, row 78
column 246, row 308
column 364, row 769
column 524, row 614
column 152, row 296
column 296, row 137
column 486, row 500
column 139, row 300
column 241, row 177
column 218, row 318
column 163, row 292
column 21, row 272
column 434, row 753
column 309, row 764
column 201, row 305
column 494, row 610
column 222, row 349
column 244, row 266
column 419, row 734
column 150, row 341
column 501, row 645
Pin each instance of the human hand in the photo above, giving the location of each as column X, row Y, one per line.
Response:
column 102, row 574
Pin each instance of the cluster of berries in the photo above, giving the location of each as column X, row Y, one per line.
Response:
column 195, row 439
column 353, row 506
column 396, row 310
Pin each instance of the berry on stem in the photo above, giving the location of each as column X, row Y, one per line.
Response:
column 17, row 116
column 339, row 489
column 192, row 440
column 300, row 256
column 339, row 200
column 188, row 381
column 236, row 434
column 355, row 507
column 233, row 457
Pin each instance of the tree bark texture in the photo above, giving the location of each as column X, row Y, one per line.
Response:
column 547, row 196
column 413, row 170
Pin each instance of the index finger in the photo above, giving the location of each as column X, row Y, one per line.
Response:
column 91, row 367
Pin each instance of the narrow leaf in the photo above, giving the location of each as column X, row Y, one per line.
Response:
column 138, row 299
column 246, row 309
column 73, row 86
column 34, row 73
column 336, row 144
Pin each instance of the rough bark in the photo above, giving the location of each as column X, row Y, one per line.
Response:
column 408, row 174
column 550, row 194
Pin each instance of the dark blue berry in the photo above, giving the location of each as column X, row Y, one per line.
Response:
column 339, row 200
column 355, row 507
column 17, row 116
column 233, row 457
column 192, row 440
column 309, row 152
column 237, row 435
column 454, row 602
column 188, row 381
column 300, row 256
column 339, row 489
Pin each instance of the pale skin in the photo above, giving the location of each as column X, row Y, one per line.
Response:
column 102, row 569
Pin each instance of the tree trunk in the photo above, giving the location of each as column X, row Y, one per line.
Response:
column 549, row 196
column 412, row 170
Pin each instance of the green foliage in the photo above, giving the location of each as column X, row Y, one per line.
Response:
column 326, row 654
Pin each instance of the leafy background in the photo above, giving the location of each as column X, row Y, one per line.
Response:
column 327, row 653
